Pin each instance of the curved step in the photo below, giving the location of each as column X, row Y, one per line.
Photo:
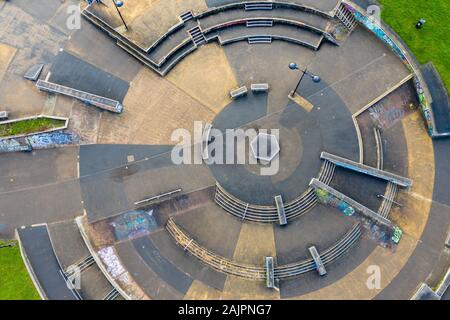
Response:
column 278, row 31
column 224, row 17
column 269, row 214
column 227, row 266
column 174, row 45
column 71, row 250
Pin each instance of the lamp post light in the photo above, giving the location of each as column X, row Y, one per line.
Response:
column 315, row 78
column 118, row 4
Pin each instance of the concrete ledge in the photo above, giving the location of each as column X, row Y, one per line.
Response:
column 358, row 167
column 98, row 261
column 27, row 264
column 275, row 20
column 65, row 126
column 275, row 4
column 424, row 292
column 443, row 284
column 34, row 72
column 89, row 98
column 364, row 210
column 379, row 142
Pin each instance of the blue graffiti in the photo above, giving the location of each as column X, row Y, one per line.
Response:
column 134, row 224
column 38, row 141
column 53, row 139
column 379, row 32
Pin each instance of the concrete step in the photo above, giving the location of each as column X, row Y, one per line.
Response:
column 186, row 16
column 260, row 23
column 258, row 6
column 259, row 39
column 294, row 15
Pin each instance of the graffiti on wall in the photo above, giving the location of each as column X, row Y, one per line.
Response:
column 385, row 237
column 379, row 32
column 111, row 261
column 39, row 141
column 133, row 224
column 383, row 36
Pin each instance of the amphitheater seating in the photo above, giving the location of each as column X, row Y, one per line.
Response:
column 269, row 214
column 287, row 33
column 227, row 266
column 329, row 255
column 195, row 30
column 74, row 256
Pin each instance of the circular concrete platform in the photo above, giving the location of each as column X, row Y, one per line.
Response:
column 303, row 135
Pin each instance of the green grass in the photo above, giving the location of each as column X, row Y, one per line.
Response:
column 29, row 126
column 432, row 42
column 15, row 283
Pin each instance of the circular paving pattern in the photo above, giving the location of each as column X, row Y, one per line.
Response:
column 331, row 201
column 303, row 136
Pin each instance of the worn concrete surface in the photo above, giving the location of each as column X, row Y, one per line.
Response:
column 197, row 89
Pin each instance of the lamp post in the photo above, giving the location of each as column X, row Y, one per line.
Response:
column 315, row 78
column 117, row 5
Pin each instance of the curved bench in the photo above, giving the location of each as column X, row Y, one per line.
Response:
column 211, row 35
column 233, row 7
column 331, row 254
column 251, row 272
column 289, row 32
column 269, row 214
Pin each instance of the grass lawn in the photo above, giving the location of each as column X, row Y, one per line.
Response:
column 29, row 126
column 432, row 42
column 15, row 283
